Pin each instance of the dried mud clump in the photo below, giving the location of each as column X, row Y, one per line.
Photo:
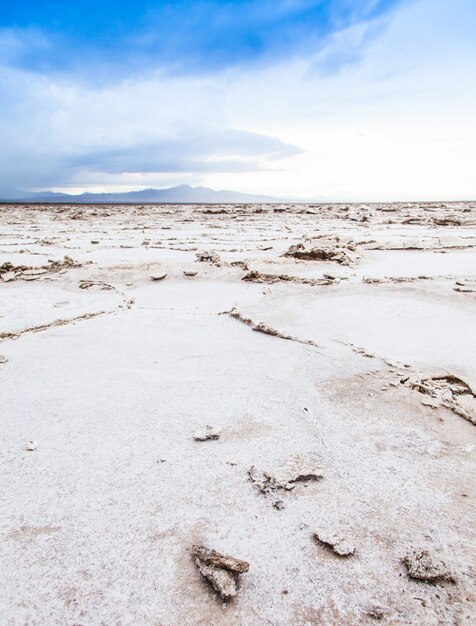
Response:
column 421, row 565
column 445, row 390
column 292, row 471
column 95, row 284
column 215, row 212
column 220, row 570
column 209, row 257
column 243, row 265
column 447, row 221
column 257, row 277
column 9, row 272
column 338, row 543
column 326, row 248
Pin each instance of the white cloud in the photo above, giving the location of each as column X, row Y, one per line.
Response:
column 398, row 124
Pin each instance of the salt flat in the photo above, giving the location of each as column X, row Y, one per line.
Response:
column 359, row 359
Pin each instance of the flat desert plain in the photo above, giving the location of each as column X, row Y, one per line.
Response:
column 290, row 385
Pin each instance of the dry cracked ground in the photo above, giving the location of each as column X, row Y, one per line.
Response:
column 292, row 386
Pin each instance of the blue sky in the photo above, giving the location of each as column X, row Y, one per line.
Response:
column 338, row 99
column 185, row 36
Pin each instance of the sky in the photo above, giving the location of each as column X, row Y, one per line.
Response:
column 331, row 100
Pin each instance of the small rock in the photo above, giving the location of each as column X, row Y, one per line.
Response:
column 209, row 432
column 31, row 446
column 187, row 273
column 278, row 505
column 158, row 277
column 3, row 359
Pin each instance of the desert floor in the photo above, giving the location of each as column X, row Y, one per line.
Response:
column 351, row 360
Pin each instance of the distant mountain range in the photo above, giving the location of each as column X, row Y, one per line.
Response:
column 180, row 194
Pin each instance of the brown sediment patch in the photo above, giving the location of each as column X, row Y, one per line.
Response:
column 249, row 428
column 28, row 532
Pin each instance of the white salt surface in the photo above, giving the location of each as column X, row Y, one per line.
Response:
column 99, row 520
